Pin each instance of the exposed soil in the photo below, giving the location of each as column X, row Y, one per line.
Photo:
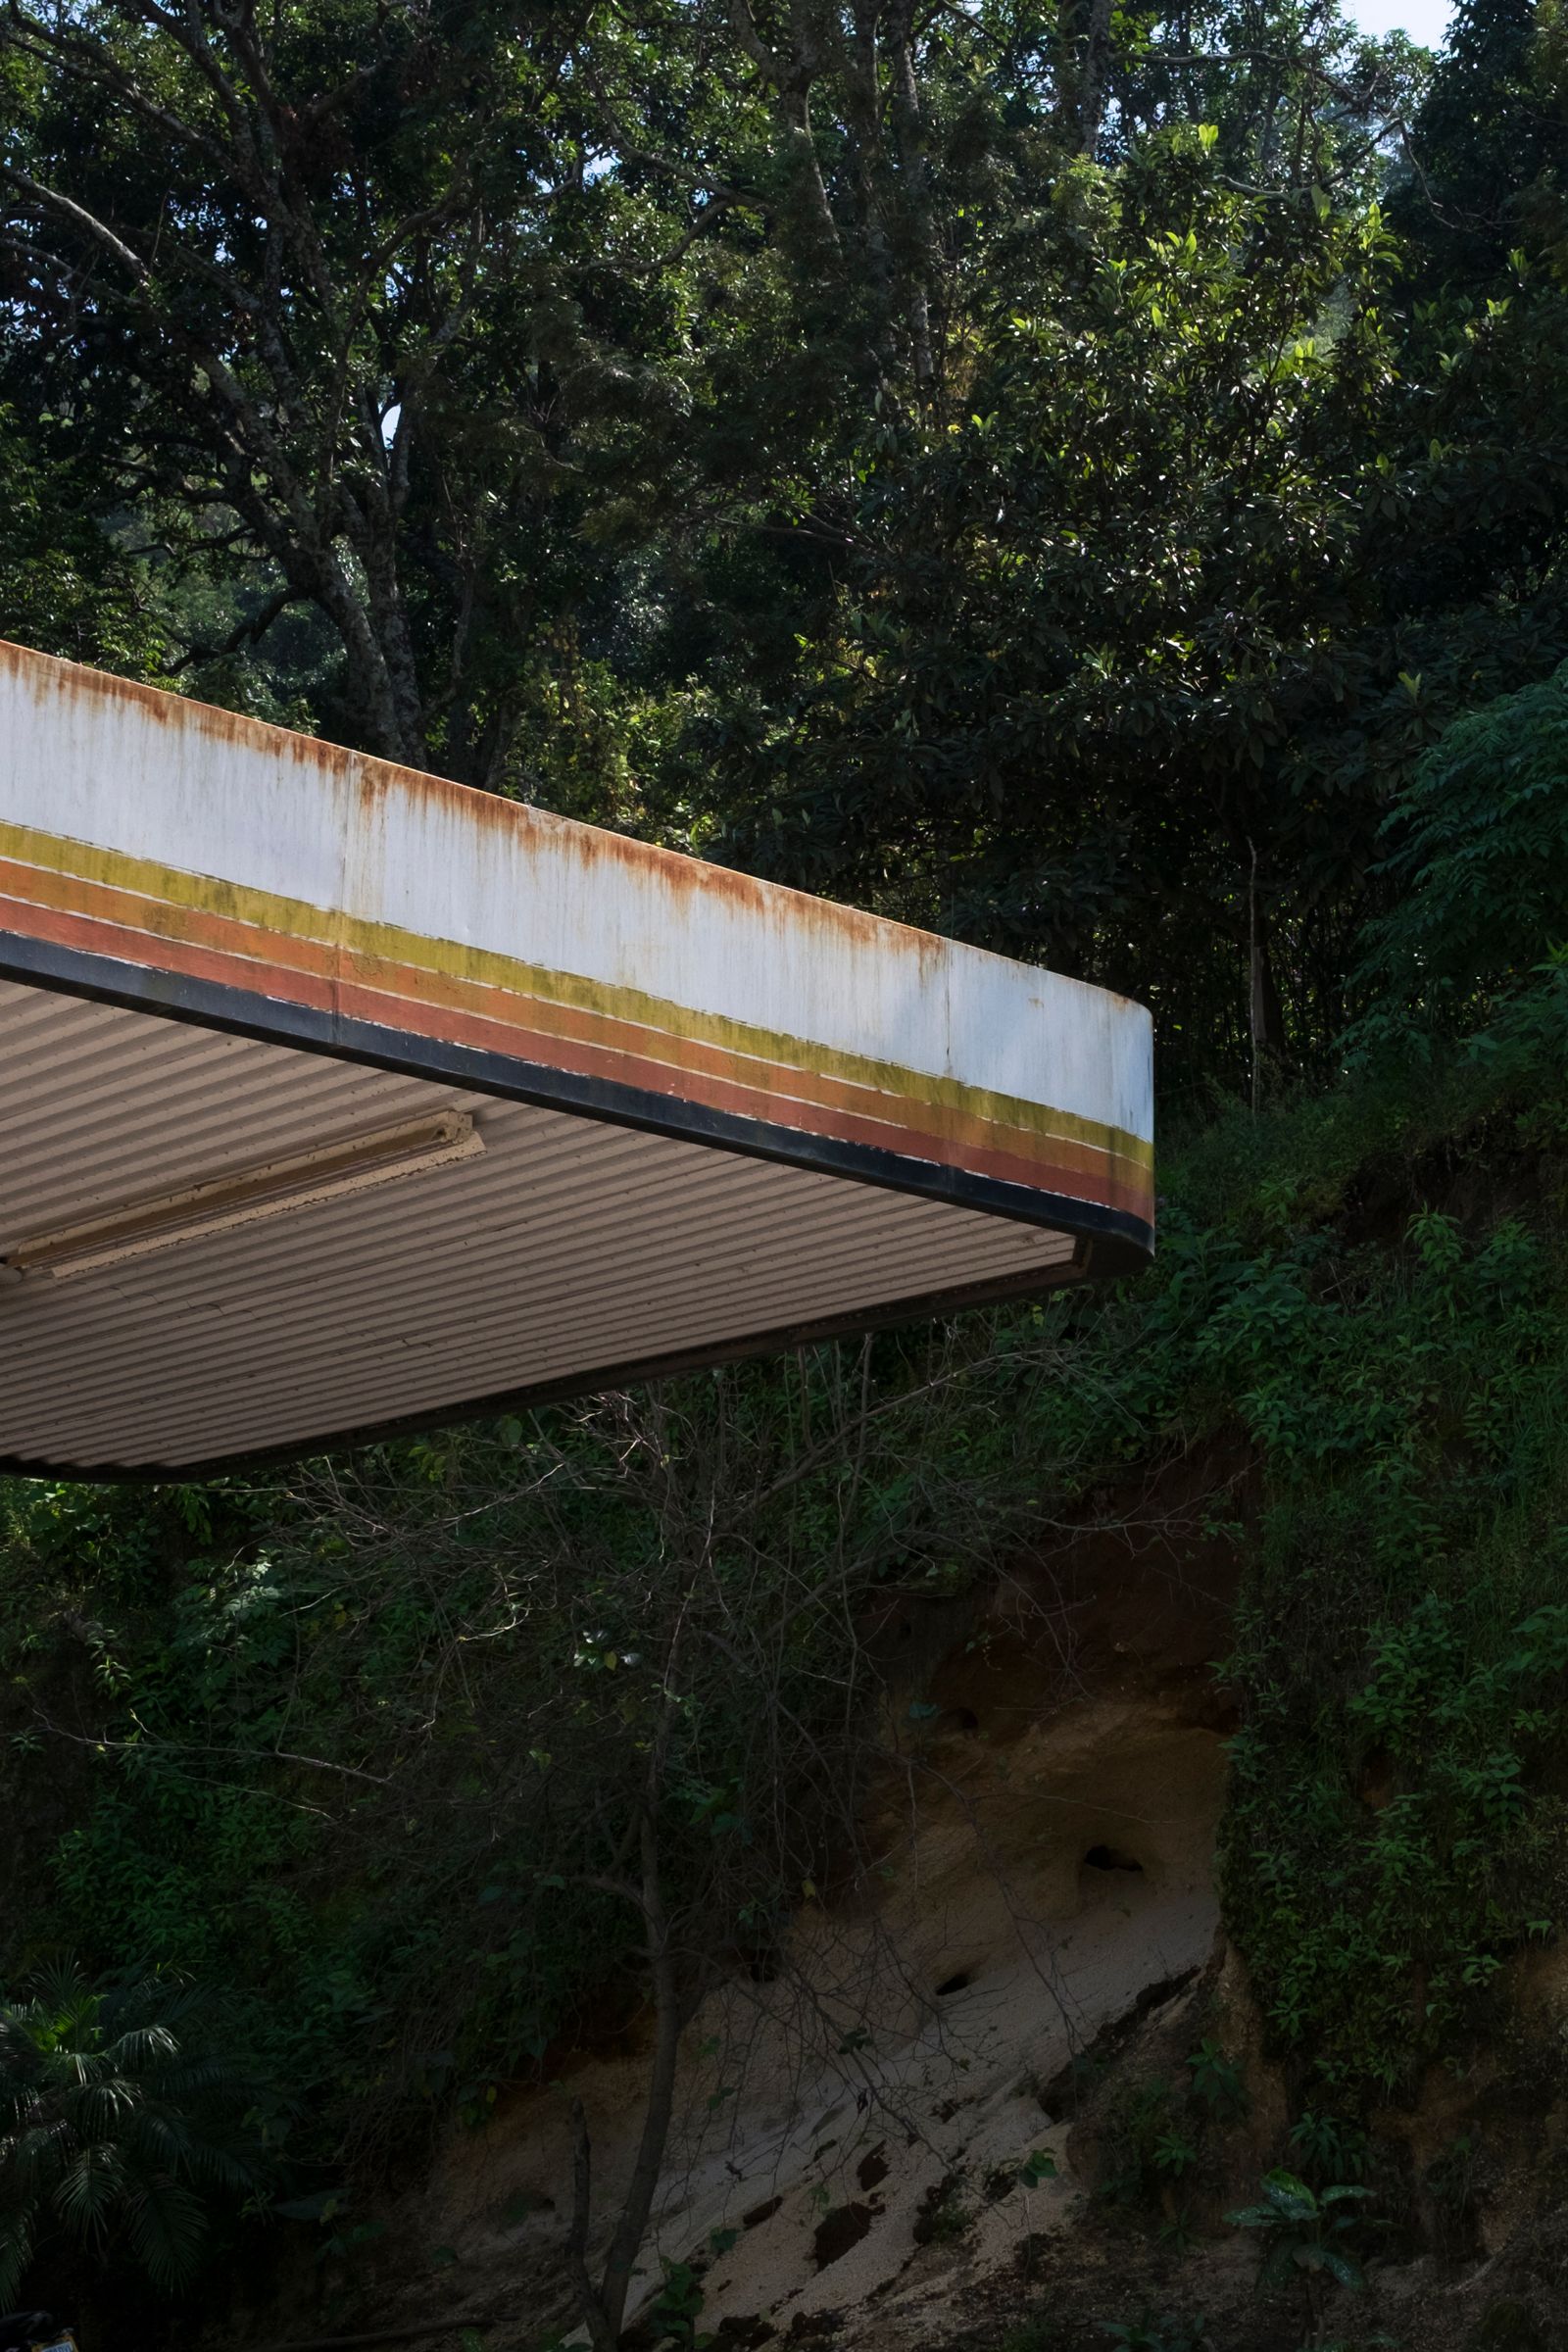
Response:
column 1044, row 1845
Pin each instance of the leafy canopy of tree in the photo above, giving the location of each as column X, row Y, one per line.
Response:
column 1479, row 843
column 1002, row 466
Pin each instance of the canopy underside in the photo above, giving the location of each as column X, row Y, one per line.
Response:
column 566, row 1253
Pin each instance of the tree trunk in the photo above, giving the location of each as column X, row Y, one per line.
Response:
column 626, row 2242
column 910, row 131
column 1094, row 75
column 604, row 2307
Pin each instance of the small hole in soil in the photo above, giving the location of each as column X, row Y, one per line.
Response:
column 1111, row 1857
column 841, row 2231
column 959, row 1983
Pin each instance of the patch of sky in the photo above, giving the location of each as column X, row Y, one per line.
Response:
column 1425, row 21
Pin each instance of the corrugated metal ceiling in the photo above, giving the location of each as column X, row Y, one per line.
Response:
column 569, row 1248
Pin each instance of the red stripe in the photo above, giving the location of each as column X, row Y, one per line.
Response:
column 514, row 1039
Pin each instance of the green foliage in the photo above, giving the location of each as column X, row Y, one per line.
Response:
column 675, row 2310
column 1327, row 2148
column 122, row 2121
column 1304, row 2232
column 1154, row 2140
column 1485, row 139
column 1481, row 852
column 276, row 1798
column 1156, row 554
column 1217, row 2082
column 1062, row 512
column 1159, row 2332
column 945, row 2217
column 1072, row 519
column 65, row 587
column 275, row 1801
column 1391, row 1630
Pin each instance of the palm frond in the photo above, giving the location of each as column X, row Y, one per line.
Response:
column 140, row 2048
column 85, row 2194
column 113, row 2115
column 166, row 2228
column 17, row 2234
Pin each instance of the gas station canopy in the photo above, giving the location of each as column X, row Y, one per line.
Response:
column 336, row 1100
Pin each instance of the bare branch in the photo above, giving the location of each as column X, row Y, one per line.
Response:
column 71, row 211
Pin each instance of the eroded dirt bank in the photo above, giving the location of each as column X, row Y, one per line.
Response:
column 1041, row 1869
column 933, row 2127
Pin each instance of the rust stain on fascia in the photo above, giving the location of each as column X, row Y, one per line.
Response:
column 595, row 845
column 377, row 779
column 72, row 679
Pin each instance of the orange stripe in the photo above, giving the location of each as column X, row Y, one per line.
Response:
column 692, row 1062
column 279, row 954
column 1042, row 1164
column 1037, row 1170
column 128, row 946
column 264, row 915
column 160, row 918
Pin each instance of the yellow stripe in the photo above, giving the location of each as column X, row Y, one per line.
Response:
column 296, row 918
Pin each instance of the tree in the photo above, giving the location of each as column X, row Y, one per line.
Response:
column 1489, row 129
column 330, row 294
column 1059, row 703
column 64, row 587
column 453, row 1755
column 119, row 2122
column 432, row 361
column 385, row 316
column 1479, row 846
column 660, row 1608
